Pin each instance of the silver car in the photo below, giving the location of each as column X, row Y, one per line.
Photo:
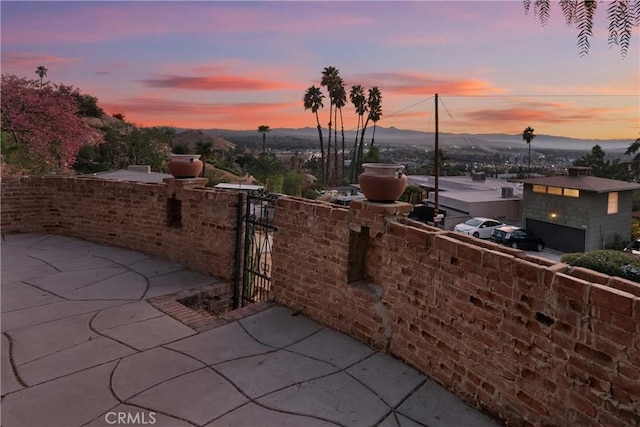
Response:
column 478, row 227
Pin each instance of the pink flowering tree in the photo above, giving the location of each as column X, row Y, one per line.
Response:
column 41, row 129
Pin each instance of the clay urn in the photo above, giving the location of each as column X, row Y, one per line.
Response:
column 185, row 165
column 382, row 182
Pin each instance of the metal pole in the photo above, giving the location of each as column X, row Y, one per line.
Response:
column 239, row 226
column 436, row 166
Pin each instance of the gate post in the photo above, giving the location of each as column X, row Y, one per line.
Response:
column 239, row 257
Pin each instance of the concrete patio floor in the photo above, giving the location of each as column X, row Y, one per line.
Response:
column 81, row 346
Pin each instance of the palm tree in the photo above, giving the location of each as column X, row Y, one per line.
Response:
column 375, row 110
column 374, row 106
column 330, row 77
column 528, row 135
column 340, row 100
column 313, row 101
column 42, row 72
column 263, row 168
column 339, row 96
column 359, row 101
column 264, row 129
column 205, row 149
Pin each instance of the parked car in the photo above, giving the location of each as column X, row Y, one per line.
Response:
column 633, row 248
column 478, row 227
column 517, row 238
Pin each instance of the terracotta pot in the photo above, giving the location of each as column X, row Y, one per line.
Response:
column 382, row 182
column 185, row 165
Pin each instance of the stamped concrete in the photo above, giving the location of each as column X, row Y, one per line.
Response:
column 82, row 346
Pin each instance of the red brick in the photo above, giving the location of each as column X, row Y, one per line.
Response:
column 620, row 336
column 341, row 215
column 590, row 275
column 446, row 245
column 625, row 285
column 532, row 403
column 611, row 299
column 571, row 287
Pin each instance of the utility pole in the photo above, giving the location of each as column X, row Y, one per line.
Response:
column 436, row 166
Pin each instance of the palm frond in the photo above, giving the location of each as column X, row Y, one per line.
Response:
column 569, row 8
column 584, row 23
column 541, row 9
column 622, row 17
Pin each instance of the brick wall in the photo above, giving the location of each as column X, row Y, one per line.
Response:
column 530, row 341
column 513, row 335
column 177, row 220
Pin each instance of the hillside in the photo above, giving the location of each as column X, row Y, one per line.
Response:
column 191, row 137
column 391, row 136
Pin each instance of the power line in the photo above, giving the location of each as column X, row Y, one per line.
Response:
column 409, row 107
column 546, row 96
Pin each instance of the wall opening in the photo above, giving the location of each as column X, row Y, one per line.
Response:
column 358, row 246
column 174, row 212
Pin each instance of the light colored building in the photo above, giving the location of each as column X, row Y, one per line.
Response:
column 464, row 197
column 135, row 173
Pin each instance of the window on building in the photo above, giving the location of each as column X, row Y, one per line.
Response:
column 612, row 206
column 554, row 190
column 570, row 192
column 539, row 188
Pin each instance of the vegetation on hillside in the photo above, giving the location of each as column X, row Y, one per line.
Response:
column 126, row 144
column 43, row 126
column 611, row 168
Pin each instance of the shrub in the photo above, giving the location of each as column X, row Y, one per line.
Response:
column 617, row 243
column 613, row 263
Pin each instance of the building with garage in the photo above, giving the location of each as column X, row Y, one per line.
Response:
column 578, row 212
column 474, row 195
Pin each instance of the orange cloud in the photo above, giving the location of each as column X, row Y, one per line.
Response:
column 150, row 111
column 217, row 83
column 530, row 115
column 412, row 83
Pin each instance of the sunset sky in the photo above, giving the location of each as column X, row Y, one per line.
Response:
column 238, row 65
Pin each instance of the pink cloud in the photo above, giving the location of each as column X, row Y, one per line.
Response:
column 153, row 111
column 550, row 115
column 413, row 83
column 25, row 60
column 216, row 83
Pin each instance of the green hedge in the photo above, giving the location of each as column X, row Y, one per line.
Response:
column 613, row 263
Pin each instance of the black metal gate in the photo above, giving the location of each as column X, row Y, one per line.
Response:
column 253, row 250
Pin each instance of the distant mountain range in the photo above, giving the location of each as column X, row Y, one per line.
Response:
column 393, row 136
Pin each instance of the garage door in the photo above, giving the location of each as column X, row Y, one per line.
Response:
column 558, row 237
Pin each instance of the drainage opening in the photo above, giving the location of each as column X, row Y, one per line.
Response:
column 208, row 302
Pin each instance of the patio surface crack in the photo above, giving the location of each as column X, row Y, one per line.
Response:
column 12, row 362
column 126, row 402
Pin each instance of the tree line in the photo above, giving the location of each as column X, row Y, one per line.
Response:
column 368, row 108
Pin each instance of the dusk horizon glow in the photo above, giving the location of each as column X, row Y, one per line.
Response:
column 239, row 65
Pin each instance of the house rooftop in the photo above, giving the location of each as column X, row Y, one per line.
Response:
column 462, row 184
column 584, row 183
column 239, row 186
column 136, row 173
